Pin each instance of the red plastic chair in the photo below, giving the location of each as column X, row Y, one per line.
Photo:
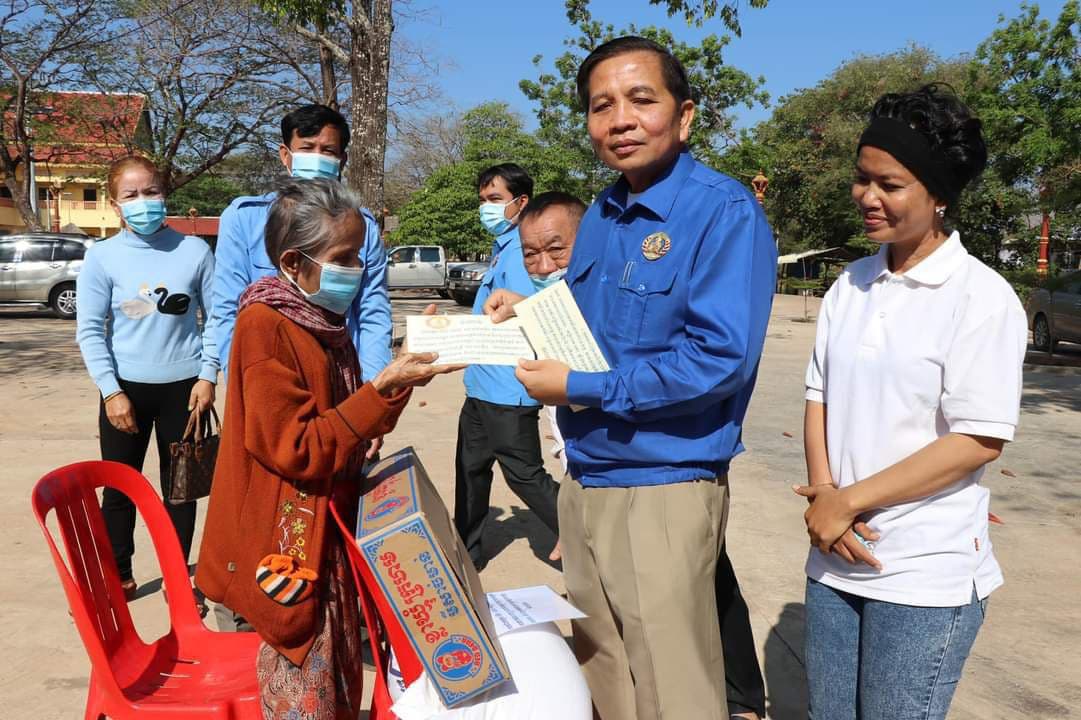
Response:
column 190, row 672
column 384, row 629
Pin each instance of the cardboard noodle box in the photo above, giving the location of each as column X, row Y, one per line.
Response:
column 423, row 570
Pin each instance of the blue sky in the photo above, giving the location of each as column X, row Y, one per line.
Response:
column 486, row 48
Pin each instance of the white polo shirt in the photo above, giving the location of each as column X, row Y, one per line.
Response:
column 899, row 361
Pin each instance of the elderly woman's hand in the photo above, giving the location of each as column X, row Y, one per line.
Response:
column 410, row 370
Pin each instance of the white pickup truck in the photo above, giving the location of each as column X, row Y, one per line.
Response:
column 417, row 267
column 425, row 267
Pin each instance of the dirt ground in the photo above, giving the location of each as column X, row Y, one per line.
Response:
column 1026, row 663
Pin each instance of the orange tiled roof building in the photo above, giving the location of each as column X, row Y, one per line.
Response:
column 75, row 137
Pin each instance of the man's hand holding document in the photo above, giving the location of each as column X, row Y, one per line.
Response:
column 557, row 331
column 548, row 326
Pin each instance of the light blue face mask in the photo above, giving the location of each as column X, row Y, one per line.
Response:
column 315, row 165
column 540, row 283
column 144, row 215
column 338, row 286
column 493, row 219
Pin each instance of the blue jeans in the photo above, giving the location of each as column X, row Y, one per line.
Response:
column 873, row 660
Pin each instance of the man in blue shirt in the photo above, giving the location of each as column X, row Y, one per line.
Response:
column 314, row 141
column 673, row 268
column 499, row 420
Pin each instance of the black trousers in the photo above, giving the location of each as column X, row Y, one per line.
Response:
column 743, row 677
column 506, row 433
column 162, row 407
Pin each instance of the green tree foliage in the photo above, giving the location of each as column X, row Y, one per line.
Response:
column 1029, row 97
column 717, row 86
column 208, row 194
column 444, row 210
column 492, row 133
column 317, row 17
column 992, row 213
column 744, row 158
column 695, row 12
column 559, row 155
column 808, row 150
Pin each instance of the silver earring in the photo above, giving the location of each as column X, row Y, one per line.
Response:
column 940, row 211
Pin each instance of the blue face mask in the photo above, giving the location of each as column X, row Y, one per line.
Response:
column 493, row 219
column 144, row 215
column 540, row 283
column 338, row 286
column 315, row 165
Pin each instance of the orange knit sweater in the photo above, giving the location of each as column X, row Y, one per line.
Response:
column 280, row 427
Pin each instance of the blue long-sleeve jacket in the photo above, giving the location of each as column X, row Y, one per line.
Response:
column 678, row 289
column 241, row 259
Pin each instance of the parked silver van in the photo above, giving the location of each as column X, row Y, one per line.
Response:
column 40, row 268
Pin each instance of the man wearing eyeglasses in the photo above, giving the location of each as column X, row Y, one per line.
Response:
column 547, row 228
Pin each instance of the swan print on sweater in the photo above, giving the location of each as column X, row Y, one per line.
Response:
column 143, row 303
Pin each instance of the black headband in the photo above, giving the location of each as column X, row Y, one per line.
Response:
column 910, row 148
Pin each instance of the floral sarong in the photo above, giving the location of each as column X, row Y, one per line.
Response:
column 328, row 686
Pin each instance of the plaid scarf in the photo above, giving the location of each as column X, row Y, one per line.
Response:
column 324, row 326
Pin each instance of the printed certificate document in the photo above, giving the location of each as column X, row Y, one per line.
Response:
column 549, row 326
column 467, row 339
column 557, row 331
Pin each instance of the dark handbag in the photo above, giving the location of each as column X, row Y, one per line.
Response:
column 192, row 460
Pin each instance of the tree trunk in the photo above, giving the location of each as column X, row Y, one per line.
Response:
column 20, row 143
column 20, row 198
column 369, row 71
column 330, row 80
column 327, row 72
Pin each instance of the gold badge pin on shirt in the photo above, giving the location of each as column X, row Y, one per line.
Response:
column 656, row 245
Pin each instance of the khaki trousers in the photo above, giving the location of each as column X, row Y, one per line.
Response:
column 641, row 563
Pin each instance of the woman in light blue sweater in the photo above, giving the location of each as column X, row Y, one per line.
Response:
column 138, row 292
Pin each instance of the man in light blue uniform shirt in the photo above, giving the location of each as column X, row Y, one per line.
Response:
column 314, row 139
column 499, row 420
column 673, row 269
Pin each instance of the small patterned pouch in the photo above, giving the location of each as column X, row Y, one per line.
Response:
column 283, row 579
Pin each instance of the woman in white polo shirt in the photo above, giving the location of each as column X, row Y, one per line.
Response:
column 914, row 386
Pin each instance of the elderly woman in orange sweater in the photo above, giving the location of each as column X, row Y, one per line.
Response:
column 298, row 422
